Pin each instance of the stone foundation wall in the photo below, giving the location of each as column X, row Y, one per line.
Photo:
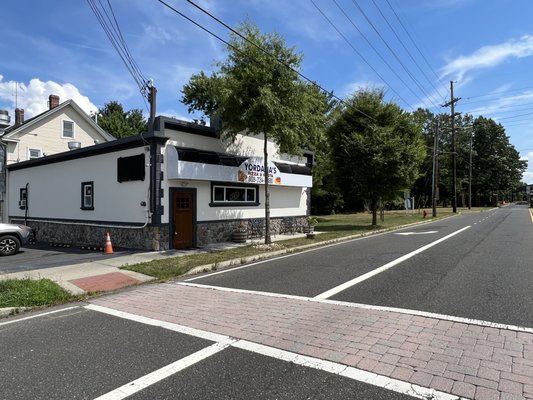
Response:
column 148, row 238
column 221, row 231
column 156, row 237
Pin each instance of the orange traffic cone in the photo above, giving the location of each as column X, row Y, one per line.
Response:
column 108, row 249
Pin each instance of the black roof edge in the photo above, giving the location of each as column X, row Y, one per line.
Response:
column 184, row 126
column 108, row 147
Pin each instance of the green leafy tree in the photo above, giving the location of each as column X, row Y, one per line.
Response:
column 254, row 94
column 113, row 119
column 377, row 148
column 497, row 168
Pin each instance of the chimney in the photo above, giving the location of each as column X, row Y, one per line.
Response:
column 19, row 116
column 53, row 101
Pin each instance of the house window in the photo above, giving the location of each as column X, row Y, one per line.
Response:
column 34, row 153
column 23, row 198
column 68, row 129
column 222, row 195
column 87, row 196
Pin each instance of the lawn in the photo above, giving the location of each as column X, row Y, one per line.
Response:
column 29, row 293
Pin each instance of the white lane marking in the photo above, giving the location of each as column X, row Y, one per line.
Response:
column 156, row 376
column 215, row 337
column 311, row 362
column 360, row 237
column 416, row 233
column 385, row 267
column 426, row 314
column 345, row 371
column 38, row 315
column 226, row 289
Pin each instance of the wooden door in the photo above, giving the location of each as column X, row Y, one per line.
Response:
column 182, row 220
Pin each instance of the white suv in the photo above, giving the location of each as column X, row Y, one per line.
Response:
column 13, row 236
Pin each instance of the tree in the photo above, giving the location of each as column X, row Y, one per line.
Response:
column 256, row 92
column 497, row 168
column 113, row 119
column 377, row 148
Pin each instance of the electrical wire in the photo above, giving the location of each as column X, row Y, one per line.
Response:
column 330, row 93
column 370, row 44
column 359, row 54
column 109, row 23
column 416, row 46
column 417, row 83
column 406, row 49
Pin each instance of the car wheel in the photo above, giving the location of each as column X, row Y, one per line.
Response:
column 9, row 245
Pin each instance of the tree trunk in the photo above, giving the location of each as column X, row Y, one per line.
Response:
column 374, row 208
column 267, row 194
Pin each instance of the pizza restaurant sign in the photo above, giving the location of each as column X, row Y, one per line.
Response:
column 253, row 171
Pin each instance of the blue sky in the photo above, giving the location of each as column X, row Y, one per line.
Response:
column 485, row 47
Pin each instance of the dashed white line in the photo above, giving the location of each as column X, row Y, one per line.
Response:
column 385, row 267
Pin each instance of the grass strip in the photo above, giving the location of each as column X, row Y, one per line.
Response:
column 29, row 293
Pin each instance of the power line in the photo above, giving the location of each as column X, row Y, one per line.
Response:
column 109, row 24
column 369, row 43
column 359, row 54
column 406, row 49
column 255, row 45
column 416, row 46
column 417, row 83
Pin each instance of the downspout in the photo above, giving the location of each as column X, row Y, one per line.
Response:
column 26, row 210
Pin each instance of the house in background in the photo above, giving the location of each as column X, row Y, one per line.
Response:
column 180, row 186
column 62, row 127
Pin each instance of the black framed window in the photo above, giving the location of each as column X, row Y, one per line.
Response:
column 234, row 195
column 87, row 195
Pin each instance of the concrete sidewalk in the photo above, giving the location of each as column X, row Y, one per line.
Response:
column 465, row 358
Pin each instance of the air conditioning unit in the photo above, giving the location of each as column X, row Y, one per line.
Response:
column 22, row 203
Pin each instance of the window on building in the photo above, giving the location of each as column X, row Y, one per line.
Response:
column 68, row 129
column 34, row 153
column 131, row 168
column 234, row 195
column 87, row 195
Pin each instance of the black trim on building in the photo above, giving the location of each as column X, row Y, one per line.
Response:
column 229, row 160
column 103, row 148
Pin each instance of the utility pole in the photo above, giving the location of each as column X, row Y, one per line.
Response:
column 434, row 183
column 470, row 176
column 451, row 103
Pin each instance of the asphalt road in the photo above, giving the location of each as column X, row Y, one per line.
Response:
column 483, row 272
column 84, row 354
column 474, row 265
column 41, row 255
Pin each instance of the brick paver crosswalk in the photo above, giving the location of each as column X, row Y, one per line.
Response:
column 463, row 359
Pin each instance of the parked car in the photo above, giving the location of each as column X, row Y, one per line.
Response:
column 12, row 236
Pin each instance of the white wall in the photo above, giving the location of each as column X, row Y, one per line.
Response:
column 55, row 190
column 284, row 202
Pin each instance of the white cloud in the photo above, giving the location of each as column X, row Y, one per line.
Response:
column 353, row 87
column 490, row 56
column 528, row 174
column 33, row 97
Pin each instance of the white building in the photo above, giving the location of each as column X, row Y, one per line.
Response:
column 178, row 187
